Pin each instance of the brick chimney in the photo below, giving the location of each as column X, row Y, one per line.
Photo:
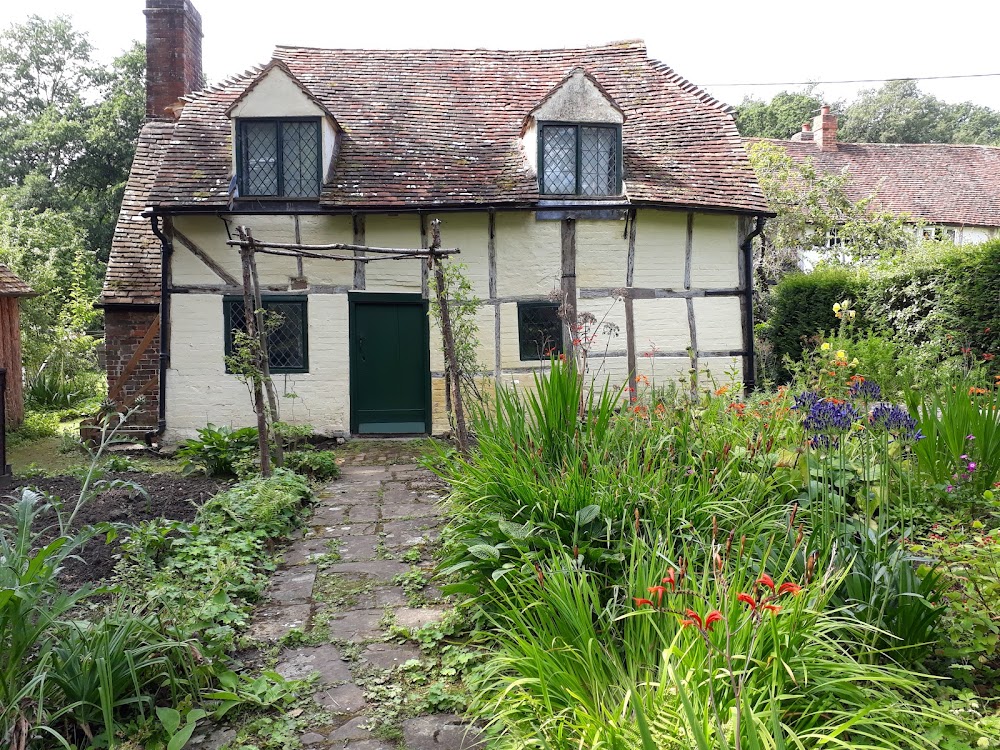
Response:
column 825, row 130
column 805, row 134
column 173, row 54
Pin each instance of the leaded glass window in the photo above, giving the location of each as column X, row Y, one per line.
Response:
column 579, row 159
column 279, row 158
column 287, row 326
column 539, row 330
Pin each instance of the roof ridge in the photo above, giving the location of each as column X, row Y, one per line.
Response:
column 810, row 144
column 225, row 83
column 622, row 44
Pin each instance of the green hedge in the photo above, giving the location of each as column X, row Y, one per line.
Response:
column 938, row 292
column 938, row 297
column 802, row 307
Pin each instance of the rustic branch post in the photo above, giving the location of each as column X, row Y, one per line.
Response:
column 265, row 360
column 447, row 334
column 250, row 318
column 4, row 467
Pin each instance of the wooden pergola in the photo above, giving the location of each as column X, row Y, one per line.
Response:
column 263, row 389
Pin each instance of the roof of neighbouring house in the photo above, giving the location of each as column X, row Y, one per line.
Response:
column 938, row 182
column 133, row 275
column 425, row 129
column 11, row 284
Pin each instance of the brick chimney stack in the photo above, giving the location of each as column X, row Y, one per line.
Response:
column 173, row 54
column 825, row 130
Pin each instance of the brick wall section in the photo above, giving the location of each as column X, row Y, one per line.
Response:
column 124, row 329
column 173, row 54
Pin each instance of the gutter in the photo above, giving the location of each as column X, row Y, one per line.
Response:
column 749, row 365
column 166, row 249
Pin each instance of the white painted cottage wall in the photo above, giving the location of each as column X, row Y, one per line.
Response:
column 527, row 267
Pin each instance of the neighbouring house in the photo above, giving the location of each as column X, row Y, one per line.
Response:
column 12, row 289
column 951, row 190
column 598, row 178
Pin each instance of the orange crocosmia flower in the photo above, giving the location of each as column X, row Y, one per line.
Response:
column 695, row 617
column 640, row 602
column 772, row 608
column 722, row 391
column 766, row 580
column 685, row 623
column 789, row 587
column 748, row 600
column 659, row 591
column 713, row 616
column 976, row 391
column 669, row 578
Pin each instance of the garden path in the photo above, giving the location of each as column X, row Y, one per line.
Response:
column 336, row 587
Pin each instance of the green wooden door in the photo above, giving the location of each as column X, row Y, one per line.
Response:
column 390, row 364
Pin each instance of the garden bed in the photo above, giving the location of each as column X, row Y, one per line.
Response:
column 171, row 496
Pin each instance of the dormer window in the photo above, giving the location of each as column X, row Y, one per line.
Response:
column 579, row 159
column 279, row 158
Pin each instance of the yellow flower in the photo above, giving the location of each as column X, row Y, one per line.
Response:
column 854, row 362
column 841, row 355
column 836, row 307
column 825, row 347
column 851, row 314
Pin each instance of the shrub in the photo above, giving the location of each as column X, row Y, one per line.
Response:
column 319, row 465
column 802, row 306
column 217, row 450
column 36, row 426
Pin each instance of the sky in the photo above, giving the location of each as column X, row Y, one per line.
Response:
column 710, row 43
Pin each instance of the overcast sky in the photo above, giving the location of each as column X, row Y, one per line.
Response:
column 711, row 43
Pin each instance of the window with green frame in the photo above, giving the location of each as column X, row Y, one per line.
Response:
column 539, row 330
column 288, row 324
column 579, row 159
column 279, row 158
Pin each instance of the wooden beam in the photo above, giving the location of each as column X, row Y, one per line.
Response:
column 630, row 309
column 362, row 248
column 491, row 259
column 126, row 373
column 688, row 250
column 358, row 221
column 205, row 258
column 568, row 286
column 425, row 289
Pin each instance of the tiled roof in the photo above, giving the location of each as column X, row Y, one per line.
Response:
column 133, row 275
column 940, row 183
column 425, row 128
column 11, row 284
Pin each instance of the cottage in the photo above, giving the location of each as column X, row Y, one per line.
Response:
column 12, row 289
column 951, row 190
column 595, row 180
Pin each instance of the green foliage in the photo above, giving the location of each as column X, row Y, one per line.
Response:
column 217, row 450
column 781, row 117
column 319, row 465
column 463, row 307
column 802, row 308
column 50, row 389
column 899, row 112
column 205, row 576
column 36, row 426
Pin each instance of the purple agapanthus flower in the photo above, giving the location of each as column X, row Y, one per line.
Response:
column 826, row 417
column 866, row 390
column 896, row 421
column 805, row 401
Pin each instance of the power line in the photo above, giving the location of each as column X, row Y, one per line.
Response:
column 855, row 80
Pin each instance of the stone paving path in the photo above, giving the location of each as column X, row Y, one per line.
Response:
column 370, row 516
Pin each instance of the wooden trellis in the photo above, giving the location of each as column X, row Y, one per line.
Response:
column 263, row 388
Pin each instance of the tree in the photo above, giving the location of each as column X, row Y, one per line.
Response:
column 900, row 112
column 781, row 118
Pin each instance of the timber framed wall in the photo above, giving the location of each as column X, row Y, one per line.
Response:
column 666, row 288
